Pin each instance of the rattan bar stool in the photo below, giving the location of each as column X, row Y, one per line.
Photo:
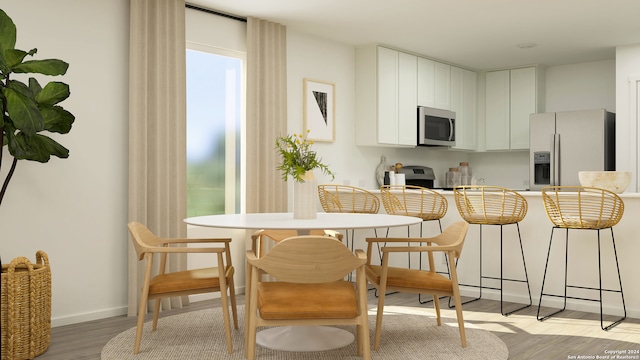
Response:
column 410, row 200
column 582, row 208
column 348, row 199
column 492, row 205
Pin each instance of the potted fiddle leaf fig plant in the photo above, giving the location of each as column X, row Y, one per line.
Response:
column 29, row 111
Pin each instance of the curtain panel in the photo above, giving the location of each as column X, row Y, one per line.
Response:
column 157, row 130
column 266, row 115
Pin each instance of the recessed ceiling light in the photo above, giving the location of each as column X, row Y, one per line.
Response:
column 527, row 45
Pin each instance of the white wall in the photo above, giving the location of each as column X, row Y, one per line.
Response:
column 76, row 209
column 627, row 114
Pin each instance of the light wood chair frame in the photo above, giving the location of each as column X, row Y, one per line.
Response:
column 416, row 201
column 582, row 208
column 277, row 235
column 493, row 205
column 386, row 278
column 313, row 260
column 147, row 245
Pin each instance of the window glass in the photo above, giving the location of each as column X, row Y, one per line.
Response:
column 213, row 133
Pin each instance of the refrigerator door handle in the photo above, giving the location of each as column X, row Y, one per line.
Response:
column 555, row 159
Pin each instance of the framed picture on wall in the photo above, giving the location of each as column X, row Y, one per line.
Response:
column 319, row 108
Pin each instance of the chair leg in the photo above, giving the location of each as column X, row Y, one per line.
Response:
column 445, row 272
column 436, row 307
column 480, row 276
column 376, row 341
column 544, row 277
column 232, row 296
column 156, row 313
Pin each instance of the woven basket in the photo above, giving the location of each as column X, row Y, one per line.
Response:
column 26, row 307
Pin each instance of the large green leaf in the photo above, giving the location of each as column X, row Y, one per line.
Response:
column 46, row 67
column 57, row 119
column 14, row 57
column 22, row 108
column 36, row 148
column 7, row 32
column 53, row 93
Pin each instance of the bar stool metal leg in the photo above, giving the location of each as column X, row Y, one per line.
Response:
column 501, row 278
column 599, row 288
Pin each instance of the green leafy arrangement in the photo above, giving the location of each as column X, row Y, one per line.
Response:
column 297, row 157
column 29, row 109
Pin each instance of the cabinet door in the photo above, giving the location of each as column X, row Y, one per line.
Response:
column 457, row 79
column 497, row 110
column 463, row 103
column 470, row 109
column 442, row 86
column 523, row 104
column 387, row 96
column 407, row 99
column 426, row 82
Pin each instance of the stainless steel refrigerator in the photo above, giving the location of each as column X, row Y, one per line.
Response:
column 564, row 143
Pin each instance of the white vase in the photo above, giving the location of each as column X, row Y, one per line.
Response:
column 305, row 197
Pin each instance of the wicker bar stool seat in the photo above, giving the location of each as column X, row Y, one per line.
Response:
column 493, row 205
column 582, row 208
column 347, row 199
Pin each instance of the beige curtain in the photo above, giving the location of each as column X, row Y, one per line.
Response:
column 157, row 129
column 266, row 114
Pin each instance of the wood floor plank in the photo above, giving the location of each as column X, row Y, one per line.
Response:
column 571, row 333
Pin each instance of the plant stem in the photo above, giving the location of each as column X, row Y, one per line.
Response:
column 6, row 180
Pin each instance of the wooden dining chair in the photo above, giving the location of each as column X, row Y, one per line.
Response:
column 387, row 278
column 309, row 290
column 180, row 283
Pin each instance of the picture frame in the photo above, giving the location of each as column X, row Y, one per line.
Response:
column 319, row 110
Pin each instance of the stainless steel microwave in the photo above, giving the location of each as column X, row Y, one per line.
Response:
column 436, row 127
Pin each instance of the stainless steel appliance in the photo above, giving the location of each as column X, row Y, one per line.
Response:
column 564, row 143
column 436, row 127
column 418, row 175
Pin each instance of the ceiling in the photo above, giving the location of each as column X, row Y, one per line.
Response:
column 476, row 34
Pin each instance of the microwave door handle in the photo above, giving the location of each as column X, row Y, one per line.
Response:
column 451, row 129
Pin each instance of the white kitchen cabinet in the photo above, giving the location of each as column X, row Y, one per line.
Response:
column 426, row 82
column 434, row 84
column 442, row 78
column 511, row 96
column 463, row 103
column 386, row 97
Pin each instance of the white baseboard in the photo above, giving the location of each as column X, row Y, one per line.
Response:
column 90, row 316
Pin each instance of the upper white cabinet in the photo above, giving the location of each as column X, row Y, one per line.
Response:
column 511, row 96
column 442, row 86
column 463, row 103
column 426, row 82
column 386, row 97
column 434, row 84
column 391, row 84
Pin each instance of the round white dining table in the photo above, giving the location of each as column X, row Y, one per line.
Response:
column 303, row 338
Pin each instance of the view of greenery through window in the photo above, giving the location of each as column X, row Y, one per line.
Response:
column 213, row 133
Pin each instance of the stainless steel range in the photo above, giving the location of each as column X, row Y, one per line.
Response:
column 418, row 175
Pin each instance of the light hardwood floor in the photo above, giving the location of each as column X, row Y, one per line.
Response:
column 570, row 333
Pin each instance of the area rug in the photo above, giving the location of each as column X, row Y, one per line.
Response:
column 407, row 333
